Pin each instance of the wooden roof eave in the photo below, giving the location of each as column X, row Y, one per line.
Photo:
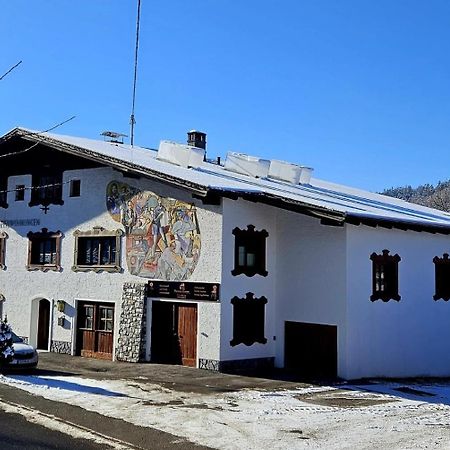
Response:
column 327, row 216
column 397, row 224
column 116, row 163
column 330, row 216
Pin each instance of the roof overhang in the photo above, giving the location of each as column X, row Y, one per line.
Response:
column 117, row 163
column 327, row 216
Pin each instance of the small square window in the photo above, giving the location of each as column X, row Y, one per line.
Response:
column 442, row 277
column 44, row 250
column 385, row 276
column 250, row 252
column 20, row 193
column 75, row 188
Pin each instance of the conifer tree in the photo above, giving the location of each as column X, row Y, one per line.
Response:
column 6, row 348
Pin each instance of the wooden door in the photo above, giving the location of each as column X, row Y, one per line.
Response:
column 43, row 333
column 95, row 330
column 165, row 344
column 174, row 333
column 311, row 349
column 187, row 334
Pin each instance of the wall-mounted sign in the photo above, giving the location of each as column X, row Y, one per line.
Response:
column 19, row 223
column 184, row 290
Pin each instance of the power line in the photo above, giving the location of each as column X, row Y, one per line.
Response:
column 34, row 133
column 31, row 188
column 10, row 70
column 132, row 119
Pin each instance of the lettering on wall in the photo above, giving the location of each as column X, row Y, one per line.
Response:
column 162, row 234
column 19, row 223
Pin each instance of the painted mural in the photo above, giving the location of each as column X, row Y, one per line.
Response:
column 162, row 234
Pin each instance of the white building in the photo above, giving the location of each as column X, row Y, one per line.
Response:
column 134, row 254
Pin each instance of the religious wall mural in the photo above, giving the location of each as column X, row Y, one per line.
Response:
column 162, row 234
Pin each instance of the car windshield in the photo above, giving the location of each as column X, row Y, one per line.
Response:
column 16, row 339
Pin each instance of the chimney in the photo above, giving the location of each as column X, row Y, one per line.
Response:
column 196, row 139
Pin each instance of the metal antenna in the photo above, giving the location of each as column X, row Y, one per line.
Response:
column 132, row 119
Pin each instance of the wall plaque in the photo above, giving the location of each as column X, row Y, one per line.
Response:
column 184, row 290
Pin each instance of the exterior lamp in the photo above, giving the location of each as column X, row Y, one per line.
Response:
column 60, row 305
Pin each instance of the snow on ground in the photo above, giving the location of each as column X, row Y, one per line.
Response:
column 374, row 416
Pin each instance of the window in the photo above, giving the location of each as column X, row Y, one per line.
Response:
column 3, row 192
column 44, row 250
column 47, row 189
column 97, row 250
column 3, row 237
column 250, row 252
column 442, row 277
column 87, row 317
column 248, row 320
column 20, row 193
column 75, row 188
column 385, row 276
column 106, row 316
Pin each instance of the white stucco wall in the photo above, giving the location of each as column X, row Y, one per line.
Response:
column 23, row 288
column 239, row 214
column 311, row 281
column 306, row 281
column 394, row 339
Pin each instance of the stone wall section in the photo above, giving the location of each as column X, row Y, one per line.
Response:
column 133, row 324
column 61, row 347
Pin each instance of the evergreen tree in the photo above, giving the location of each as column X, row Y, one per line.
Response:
column 6, row 348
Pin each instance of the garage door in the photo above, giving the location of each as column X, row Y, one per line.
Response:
column 311, row 349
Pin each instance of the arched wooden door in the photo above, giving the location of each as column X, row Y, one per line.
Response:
column 43, row 332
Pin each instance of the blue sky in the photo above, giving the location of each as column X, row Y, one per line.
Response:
column 357, row 89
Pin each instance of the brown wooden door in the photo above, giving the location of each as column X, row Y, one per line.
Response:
column 43, row 324
column 95, row 330
column 174, row 333
column 311, row 349
column 187, row 334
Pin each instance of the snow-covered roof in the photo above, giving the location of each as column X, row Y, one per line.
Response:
column 328, row 201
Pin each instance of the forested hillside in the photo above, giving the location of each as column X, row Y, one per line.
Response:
column 428, row 195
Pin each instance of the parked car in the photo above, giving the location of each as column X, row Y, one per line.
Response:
column 25, row 356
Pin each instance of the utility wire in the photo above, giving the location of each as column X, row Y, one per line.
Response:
column 132, row 119
column 10, row 70
column 31, row 188
column 32, row 133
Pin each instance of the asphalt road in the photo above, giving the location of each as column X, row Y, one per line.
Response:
column 16, row 433
column 113, row 430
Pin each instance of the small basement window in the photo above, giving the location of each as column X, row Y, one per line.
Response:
column 248, row 320
column 385, row 276
column 97, row 250
column 75, row 188
column 250, row 251
column 44, row 250
column 442, row 277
